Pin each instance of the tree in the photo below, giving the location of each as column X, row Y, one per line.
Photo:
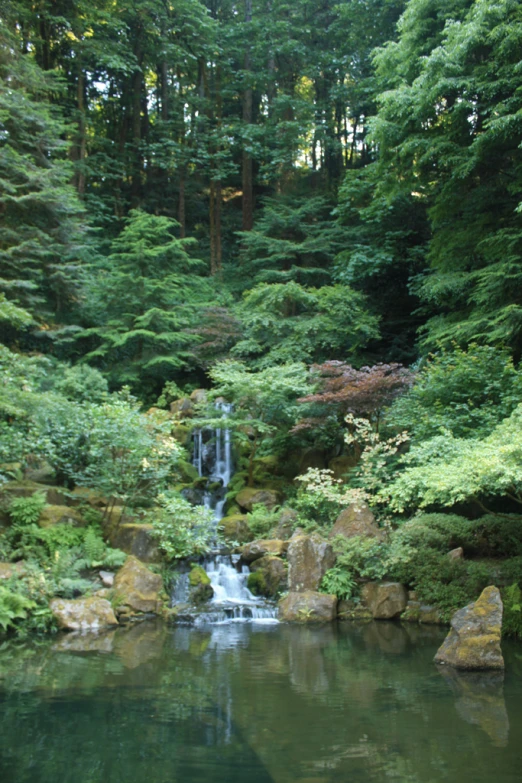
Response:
column 147, row 294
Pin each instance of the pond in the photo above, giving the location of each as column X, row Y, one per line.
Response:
column 253, row 703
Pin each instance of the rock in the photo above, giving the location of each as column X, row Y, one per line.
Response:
column 88, row 496
column 136, row 540
column 262, row 547
column 60, row 515
column 456, row 554
column 286, row 524
column 182, row 408
column 474, row 639
column 250, row 496
column 181, row 432
column 309, row 558
column 8, row 570
column 200, row 588
column 83, row 614
column 24, row 489
column 136, row 589
column 349, row 610
column 416, row 612
column 107, row 578
column 40, row 471
column 198, row 395
column 269, row 576
column 385, row 600
column 235, row 528
column 188, row 472
column 313, row 458
column 356, row 520
column 341, row 465
column 308, row 607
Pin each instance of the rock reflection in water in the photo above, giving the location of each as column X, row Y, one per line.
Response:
column 480, row 701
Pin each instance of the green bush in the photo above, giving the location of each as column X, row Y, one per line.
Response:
column 182, row 530
column 261, row 521
column 512, row 616
column 13, row 607
column 26, row 511
column 338, row 581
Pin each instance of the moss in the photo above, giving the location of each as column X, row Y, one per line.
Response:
column 198, row 576
column 257, row 583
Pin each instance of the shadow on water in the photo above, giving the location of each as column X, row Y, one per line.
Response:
column 246, row 703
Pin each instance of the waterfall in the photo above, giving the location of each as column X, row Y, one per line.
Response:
column 232, row 599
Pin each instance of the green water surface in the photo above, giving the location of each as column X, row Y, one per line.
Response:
column 255, row 703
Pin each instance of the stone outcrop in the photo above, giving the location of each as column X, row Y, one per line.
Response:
column 262, row 547
column 417, row 612
column 286, row 524
column 136, row 540
column 456, row 554
column 474, row 639
column 182, row 408
column 269, row 576
column 309, row 558
column 308, row 607
column 60, row 515
column 249, row 497
column 83, row 614
column 385, row 600
column 8, row 570
column 356, row 520
column 235, row 528
column 200, row 587
column 136, row 589
column 350, row 610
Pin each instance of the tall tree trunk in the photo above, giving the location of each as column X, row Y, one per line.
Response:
column 79, row 147
column 136, row 105
column 247, row 167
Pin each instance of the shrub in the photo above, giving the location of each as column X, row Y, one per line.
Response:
column 26, row 511
column 182, row 530
column 338, row 581
column 261, row 521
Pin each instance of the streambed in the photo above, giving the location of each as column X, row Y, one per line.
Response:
column 249, row 703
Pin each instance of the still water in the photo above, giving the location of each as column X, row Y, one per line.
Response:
column 253, row 703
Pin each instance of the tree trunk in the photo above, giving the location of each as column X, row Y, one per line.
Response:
column 247, row 167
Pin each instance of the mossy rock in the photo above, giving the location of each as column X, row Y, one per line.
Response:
column 198, row 576
column 256, row 583
column 181, row 433
column 234, row 527
column 137, row 540
column 25, row 489
column 60, row 515
column 189, row 472
column 251, row 496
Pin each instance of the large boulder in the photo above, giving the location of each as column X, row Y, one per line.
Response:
column 234, row 527
column 385, row 600
column 136, row 540
column 136, row 589
column 25, row 489
column 83, row 614
column 8, row 570
column 474, row 639
column 286, row 524
column 262, row 547
column 417, row 612
column 350, row 610
column 249, row 497
column 200, row 587
column 356, row 520
column 308, row 607
column 182, row 408
column 309, row 558
column 60, row 515
column 269, row 576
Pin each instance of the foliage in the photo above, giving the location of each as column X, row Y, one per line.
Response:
column 512, row 614
column 261, row 520
column 338, row 581
column 13, row 607
column 465, row 392
column 182, row 530
column 446, row 470
column 27, row 510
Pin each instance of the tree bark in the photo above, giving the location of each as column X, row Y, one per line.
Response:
column 247, row 166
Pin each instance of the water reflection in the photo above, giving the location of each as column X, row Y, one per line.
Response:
column 249, row 704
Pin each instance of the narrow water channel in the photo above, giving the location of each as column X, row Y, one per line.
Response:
column 253, row 703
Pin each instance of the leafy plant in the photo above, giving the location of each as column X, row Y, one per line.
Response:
column 512, row 615
column 182, row 530
column 338, row 581
column 26, row 510
column 13, row 607
column 262, row 520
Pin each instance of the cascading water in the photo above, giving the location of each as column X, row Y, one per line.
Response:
column 232, row 599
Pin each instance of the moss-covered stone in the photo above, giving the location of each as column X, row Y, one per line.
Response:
column 188, row 472
column 256, row 583
column 273, row 576
column 181, row 433
column 136, row 589
column 60, row 515
column 198, row 576
column 234, row 527
column 474, row 639
column 137, row 540
column 308, row 607
column 83, row 614
column 251, row 496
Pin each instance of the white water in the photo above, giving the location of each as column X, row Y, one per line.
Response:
column 232, row 599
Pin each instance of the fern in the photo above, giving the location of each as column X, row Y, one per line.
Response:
column 26, row 511
column 13, row 606
column 93, row 546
